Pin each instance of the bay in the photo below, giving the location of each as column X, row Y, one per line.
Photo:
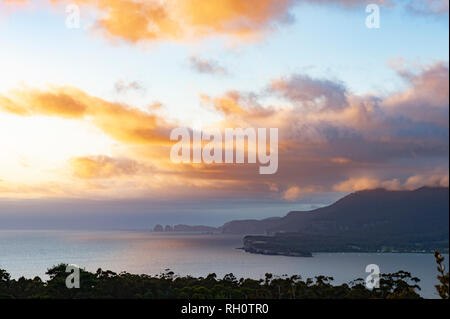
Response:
column 30, row 253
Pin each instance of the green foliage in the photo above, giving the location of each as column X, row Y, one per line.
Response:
column 108, row 284
column 443, row 286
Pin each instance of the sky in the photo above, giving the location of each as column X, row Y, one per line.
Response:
column 86, row 109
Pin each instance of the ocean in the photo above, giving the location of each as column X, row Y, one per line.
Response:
column 30, row 253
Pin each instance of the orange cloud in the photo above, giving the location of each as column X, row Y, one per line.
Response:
column 134, row 20
column 434, row 179
column 13, row 3
column 180, row 20
column 341, row 160
column 294, row 192
column 357, row 184
column 125, row 124
column 102, row 167
column 238, row 105
column 228, row 104
column 234, row 17
column 138, row 20
column 430, row 179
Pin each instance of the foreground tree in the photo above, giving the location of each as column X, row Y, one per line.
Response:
column 108, row 284
column 443, row 286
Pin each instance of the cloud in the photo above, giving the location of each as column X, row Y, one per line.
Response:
column 134, row 21
column 310, row 93
column 102, row 167
column 184, row 20
column 340, row 160
column 235, row 17
column 207, row 66
column 239, row 105
column 180, row 20
column 14, row 3
column 357, row 184
column 341, row 125
column 428, row 7
column 121, row 122
column 61, row 103
column 23, row 190
column 427, row 96
column 294, row 193
column 336, row 139
column 349, row 4
column 424, row 7
column 228, row 103
column 360, row 142
column 123, row 87
column 434, row 178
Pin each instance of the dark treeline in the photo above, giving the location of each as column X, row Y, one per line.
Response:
column 107, row 284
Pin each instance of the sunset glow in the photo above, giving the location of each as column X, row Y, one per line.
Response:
column 88, row 114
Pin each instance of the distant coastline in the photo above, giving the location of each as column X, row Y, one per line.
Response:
column 373, row 221
column 185, row 229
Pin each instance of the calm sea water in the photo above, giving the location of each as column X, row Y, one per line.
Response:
column 30, row 253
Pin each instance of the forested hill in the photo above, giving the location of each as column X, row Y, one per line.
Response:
column 422, row 211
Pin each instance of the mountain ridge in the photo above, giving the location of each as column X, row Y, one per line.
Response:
column 379, row 206
column 366, row 221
